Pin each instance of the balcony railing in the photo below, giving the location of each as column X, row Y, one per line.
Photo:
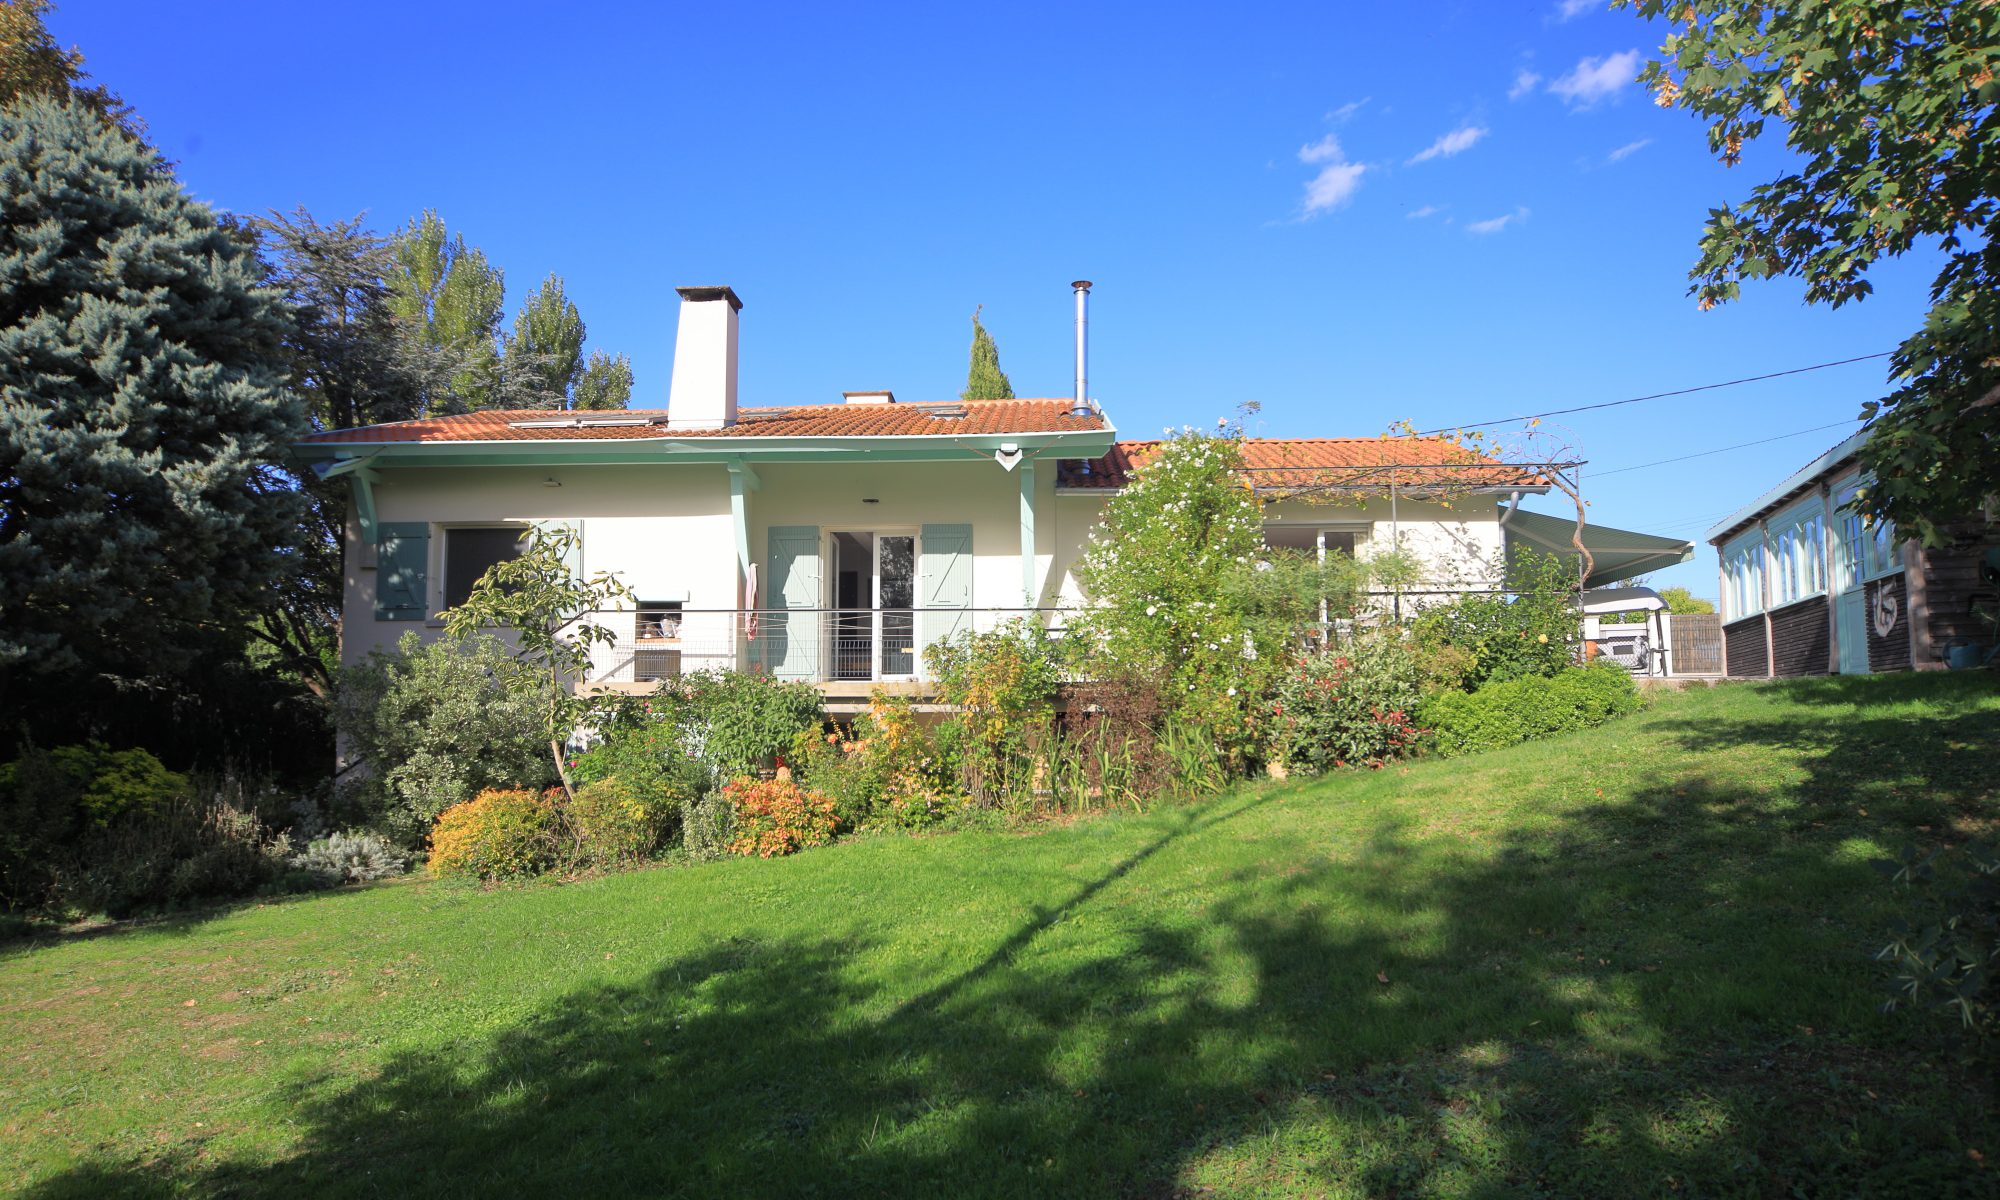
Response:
column 819, row 645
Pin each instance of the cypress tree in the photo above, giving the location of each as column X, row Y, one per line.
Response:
column 985, row 380
column 143, row 406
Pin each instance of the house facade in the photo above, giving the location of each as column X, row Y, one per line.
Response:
column 1809, row 588
column 834, row 542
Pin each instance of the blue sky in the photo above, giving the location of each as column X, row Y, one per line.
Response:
column 1350, row 214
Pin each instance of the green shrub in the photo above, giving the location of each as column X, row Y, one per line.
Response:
column 1003, row 684
column 436, row 724
column 499, row 834
column 53, row 801
column 1532, row 633
column 610, row 822
column 742, row 721
column 1520, row 710
column 1350, row 705
column 343, row 857
column 196, row 848
column 648, row 755
column 709, row 826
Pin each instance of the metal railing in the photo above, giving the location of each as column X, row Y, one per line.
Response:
column 819, row 645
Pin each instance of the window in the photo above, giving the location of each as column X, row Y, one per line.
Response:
column 1863, row 551
column 1798, row 563
column 1743, row 576
column 1310, row 539
column 469, row 552
column 656, row 640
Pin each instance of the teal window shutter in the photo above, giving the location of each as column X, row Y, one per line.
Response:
column 945, row 582
column 790, row 641
column 402, row 571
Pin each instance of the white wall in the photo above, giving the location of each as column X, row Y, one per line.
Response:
column 666, row 531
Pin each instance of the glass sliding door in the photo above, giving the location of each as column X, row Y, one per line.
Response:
column 895, row 600
column 873, row 599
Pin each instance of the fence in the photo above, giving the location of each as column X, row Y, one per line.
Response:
column 1697, row 642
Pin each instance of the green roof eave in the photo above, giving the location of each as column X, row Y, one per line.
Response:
column 1616, row 554
column 653, row 451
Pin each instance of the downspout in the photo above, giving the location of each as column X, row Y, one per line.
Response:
column 1826, row 535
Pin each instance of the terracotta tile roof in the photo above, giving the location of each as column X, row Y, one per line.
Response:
column 1287, row 464
column 815, row 420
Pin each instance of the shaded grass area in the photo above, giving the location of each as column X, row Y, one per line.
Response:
column 1628, row 962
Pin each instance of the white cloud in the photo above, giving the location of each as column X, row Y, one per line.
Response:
column 1524, row 82
column 1327, row 149
column 1628, row 150
column 1332, row 186
column 1428, row 210
column 1349, row 109
column 1595, row 79
column 1337, row 180
column 1570, row 10
column 1496, row 224
column 1456, row 142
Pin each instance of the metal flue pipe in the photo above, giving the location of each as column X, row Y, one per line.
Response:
column 1082, row 401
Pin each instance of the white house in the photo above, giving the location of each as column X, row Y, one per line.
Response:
column 832, row 542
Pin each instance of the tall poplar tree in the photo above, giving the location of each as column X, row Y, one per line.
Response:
column 452, row 296
column 545, row 351
column 142, row 407
column 985, row 380
column 604, row 383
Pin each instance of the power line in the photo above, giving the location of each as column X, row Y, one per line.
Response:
column 1720, row 450
column 1706, row 387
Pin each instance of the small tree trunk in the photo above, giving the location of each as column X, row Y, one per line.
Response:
column 562, row 768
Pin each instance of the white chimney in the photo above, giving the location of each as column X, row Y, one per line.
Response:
column 703, row 394
column 1080, row 406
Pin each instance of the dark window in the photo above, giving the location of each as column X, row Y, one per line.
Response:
column 469, row 552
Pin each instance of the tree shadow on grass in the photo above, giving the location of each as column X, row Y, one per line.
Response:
column 1650, row 995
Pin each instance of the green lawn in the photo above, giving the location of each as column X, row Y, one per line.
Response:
column 1630, row 962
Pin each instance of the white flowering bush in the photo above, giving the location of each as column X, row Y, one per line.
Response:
column 1159, row 569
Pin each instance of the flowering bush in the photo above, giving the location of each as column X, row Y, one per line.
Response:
column 1157, row 570
column 777, row 816
column 1354, row 705
column 496, row 835
column 609, row 822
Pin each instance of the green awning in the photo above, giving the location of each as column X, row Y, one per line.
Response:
column 1615, row 554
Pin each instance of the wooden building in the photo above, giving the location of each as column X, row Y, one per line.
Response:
column 1809, row 588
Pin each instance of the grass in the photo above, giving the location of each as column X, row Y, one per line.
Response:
column 1628, row 962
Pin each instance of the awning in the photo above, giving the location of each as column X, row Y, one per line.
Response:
column 1615, row 553
column 1600, row 602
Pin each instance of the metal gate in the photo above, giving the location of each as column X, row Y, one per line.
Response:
column 1696, row 639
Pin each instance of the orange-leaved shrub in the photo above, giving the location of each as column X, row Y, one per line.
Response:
column 498, row 834
column 777, row 816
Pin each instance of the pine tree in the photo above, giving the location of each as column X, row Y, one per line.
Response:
column 985, row 380
column 142, row 367
column 605, row 383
